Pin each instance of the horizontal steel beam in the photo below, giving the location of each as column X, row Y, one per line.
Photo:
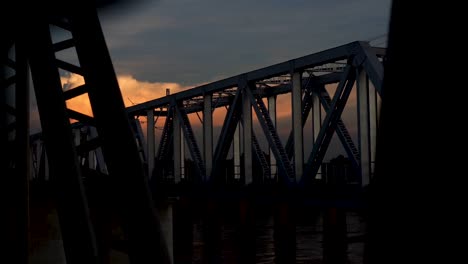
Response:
column 280, row 89
column 63, row 45
column 68, row 67
column 61, row 24
column 74, row 92
column 81, row 117
column 293, row 65
column 286, row 88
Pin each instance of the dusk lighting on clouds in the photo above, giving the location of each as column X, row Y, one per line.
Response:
column 178, row 45
column 133, row 91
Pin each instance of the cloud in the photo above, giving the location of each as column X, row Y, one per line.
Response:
column 71, row 80
column 136, row 91
column 133, row 91
column 190, row 41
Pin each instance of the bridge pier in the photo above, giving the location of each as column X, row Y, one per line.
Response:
column 166, row 216
column 335, row 244
column 212, row 236
column 334, row 236
column 182, row 231
column 284, row 233
column 246, row 232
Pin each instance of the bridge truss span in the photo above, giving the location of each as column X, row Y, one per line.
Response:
column 319, row 86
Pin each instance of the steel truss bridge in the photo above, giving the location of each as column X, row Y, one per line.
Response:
column 110, row 144
column 353, row 66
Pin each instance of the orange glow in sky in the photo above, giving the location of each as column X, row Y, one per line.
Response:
column 135, row 92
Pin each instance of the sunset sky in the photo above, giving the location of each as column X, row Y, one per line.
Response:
column 191, row 42
column 180, row 44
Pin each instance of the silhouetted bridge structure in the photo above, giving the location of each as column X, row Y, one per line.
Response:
column 110, row 148
column 355, row 65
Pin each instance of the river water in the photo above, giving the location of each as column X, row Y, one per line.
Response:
column 309, row 232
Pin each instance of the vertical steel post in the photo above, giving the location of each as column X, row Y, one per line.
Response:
column 237, row 153
column 373, row 120
column 150, row 140
column 208, row 135
column 362, row 86
column 296, row 97
column 178, row 142
column 182, row 153
column 247, row 125
column 316, row 122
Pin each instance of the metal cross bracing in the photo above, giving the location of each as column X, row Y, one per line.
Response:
column 239, row 94
column 271, row 134
column 88, row 156
column 352, row 67
column 260, row 158
column 195, row 152
column 312, row 84
column 66, row 160
column 140, row 140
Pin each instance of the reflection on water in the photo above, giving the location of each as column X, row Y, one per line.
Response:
column 309, row 237
column 309, row 233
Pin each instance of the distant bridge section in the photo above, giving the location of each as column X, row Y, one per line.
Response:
column 356, row 65
column 352, row 67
